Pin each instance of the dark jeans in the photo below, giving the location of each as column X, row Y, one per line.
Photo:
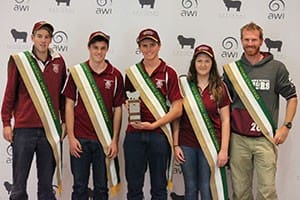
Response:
column 26, row 142
column 92, row 154
column 141, row 149
column 196, row 174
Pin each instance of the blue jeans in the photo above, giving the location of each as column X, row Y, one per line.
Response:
column 92, row 154
column 141, row 149
column 26, row 142
column 196, row 174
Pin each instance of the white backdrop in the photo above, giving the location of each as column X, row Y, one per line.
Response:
column 203, row 21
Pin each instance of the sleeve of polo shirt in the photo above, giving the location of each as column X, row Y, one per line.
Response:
column 10, row 95
column 225, row 98
column 174, row 92
column 119, row 98
column 128, row 85
column 70, row 88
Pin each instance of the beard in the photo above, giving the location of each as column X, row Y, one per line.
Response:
column 251, row 50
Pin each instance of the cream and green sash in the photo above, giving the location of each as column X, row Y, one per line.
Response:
column 99, row 116
column 251, row 99
column 155, row 102
column 37, row 89
column 206, row 136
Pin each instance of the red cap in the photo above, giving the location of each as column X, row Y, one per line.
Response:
column 148, row 34
column 96, row 34
column 37, row 26
column 203, row 48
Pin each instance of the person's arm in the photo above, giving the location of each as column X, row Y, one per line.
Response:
column 174, row 112
column 75, row 146
column 9, row 99
column 179, row 156
column 282, row 132
column 62, row 103
column 225, row 131
column 117, row 121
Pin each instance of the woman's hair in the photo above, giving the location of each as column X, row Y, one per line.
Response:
column 214, row 80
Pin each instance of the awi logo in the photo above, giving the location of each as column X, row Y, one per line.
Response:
column 276, row 8
column 230, row 46
column 189, row 8
column 104, row 7
column 21, row 6
column 60, row 41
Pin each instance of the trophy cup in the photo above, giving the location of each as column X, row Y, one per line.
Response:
column 134, row 108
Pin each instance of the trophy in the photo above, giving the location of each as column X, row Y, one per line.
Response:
column 134, row 108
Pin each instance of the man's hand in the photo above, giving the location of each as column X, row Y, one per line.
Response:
column 8, row 134
column 112, row 150
column 75, row 147
column 281, row 135
column 179, row 156
column 142, row 125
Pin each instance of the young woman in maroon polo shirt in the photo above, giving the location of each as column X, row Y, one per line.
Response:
column 196, row 171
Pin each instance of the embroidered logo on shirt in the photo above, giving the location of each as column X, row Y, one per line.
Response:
column 159, row 83
column 108, row 84
column 261, row 84
column 56, row 68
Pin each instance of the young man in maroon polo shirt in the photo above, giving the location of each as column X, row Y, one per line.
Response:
column 85, row 147
column 28, row 134
column 145, row 142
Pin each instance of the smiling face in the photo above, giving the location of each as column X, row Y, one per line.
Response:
column 251, row 41
column 41, row 40
column 98, row 51
column 149, row 49
column 203, row 64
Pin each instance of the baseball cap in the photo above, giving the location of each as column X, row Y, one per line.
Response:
column 148, row 34
column 98, row 34
column 203, row 48
column 37, row 26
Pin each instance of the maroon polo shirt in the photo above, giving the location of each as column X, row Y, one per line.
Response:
column 187, row 136
column 166, row 81
column 17, row 102
column 111, row 87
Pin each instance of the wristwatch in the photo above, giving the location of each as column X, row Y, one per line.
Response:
column 288, row 125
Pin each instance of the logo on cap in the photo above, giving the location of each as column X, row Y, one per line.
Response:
column 148, row 33
column 204, row 49
column 41, row 24
column 98, row 34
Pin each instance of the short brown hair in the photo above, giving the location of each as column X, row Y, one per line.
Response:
column 251, row 27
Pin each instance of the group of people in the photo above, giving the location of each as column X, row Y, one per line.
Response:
column 201, row 119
